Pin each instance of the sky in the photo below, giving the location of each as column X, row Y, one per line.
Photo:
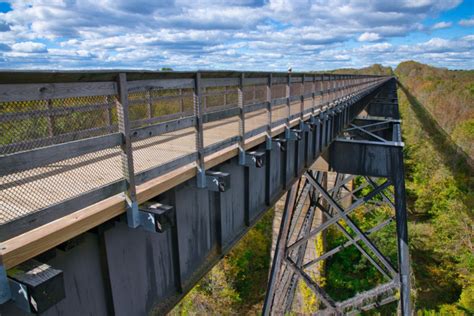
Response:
column 268, row 35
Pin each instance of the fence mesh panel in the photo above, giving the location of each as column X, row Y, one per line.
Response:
column 34, row 124
column 255, row 119
column 26, row 125
column 28, row 191
column 161, row 105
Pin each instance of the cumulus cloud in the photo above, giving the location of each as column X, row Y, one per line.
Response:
column 368, row 37
column 467, row 22
column 29, row 47
column 183, row 34
column 441, row 25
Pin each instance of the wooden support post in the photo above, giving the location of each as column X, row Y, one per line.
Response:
column 323, row 93
column 225, row 96
column 108, row 112
column 313, row 95
column 268, row 141
column 302, row 98
column 288, row 106
column 199, row 129
column 254, row 98
column 240, row 104
column 149, row 110
column 133, row 218
column 269, row 111
column 50, row 118
column 181, row 102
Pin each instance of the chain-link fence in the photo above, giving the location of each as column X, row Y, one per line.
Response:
column 61, row 146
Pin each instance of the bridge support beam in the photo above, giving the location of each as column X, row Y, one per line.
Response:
column 369, row 149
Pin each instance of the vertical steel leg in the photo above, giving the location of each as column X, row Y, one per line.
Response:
column 280, row 249
column 398, row 180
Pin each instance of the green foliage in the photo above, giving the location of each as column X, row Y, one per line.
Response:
column 375, row 69
column 349, row 272
column 439, row 189
column 440, row 198
column 448, row 97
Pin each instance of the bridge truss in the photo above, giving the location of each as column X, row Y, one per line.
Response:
column 369, row 149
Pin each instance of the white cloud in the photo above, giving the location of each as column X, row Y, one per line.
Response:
column 368, row 37
column 467, row 22
column 441, row 25
column 250, row 34
column 29, row 47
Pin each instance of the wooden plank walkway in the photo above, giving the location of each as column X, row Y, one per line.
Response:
column 55, row 184
column 39, row 188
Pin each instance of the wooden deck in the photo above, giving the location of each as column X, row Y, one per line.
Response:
column 39, row 188
column 28, row 193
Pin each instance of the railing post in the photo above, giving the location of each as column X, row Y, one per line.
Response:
column 324, row 96
column 269, row 111
column 50, row 118
column 302, row 98
column 133, row 218
column 181, row 102
column 254, row 100
column 240, row 104
column 225, row 96
column 149, row 104
column 197, row 99
column 108, row 113
column 288, row 106
column 329, row 89
column 313, row 95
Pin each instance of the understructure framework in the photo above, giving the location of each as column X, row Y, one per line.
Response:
column 369, row 148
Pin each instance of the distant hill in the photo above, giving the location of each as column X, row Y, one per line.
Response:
column 448, row 95
column 375, row 69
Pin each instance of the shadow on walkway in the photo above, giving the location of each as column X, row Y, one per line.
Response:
column 459, row 163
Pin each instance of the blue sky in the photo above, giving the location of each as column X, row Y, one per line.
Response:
column 234, row 34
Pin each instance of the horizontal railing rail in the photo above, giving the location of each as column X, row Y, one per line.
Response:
column 71, row 139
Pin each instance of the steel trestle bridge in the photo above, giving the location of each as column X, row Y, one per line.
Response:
column 119, row 190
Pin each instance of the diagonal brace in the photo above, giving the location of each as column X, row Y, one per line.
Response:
column 347, row 244
column 351, row 208
column 354, row 242
column 318, row 291
column 353, row 226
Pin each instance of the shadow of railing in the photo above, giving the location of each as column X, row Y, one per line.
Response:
column 453, row 156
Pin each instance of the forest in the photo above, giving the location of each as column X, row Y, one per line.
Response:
column 437, row 109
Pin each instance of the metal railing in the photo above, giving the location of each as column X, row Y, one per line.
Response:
column 71, row 139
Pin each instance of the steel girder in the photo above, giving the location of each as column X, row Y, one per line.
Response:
column 370, row 147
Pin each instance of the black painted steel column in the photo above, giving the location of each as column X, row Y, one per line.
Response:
column 398, row 180
column 280, row 248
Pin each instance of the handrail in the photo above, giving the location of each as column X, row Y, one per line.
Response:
column 66, row 96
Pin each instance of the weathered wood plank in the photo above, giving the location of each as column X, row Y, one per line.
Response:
column 138, row 85
column 27, row 92
column 161, row 128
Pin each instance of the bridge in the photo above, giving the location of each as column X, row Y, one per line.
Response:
column 119, row 190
